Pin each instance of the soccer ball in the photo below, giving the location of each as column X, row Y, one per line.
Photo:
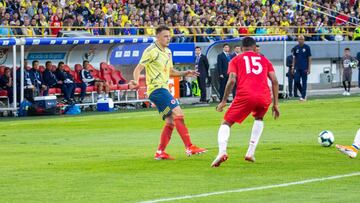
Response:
column 354, row 64
column 326, row 138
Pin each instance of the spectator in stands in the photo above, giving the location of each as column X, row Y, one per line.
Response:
column 110, row 24
column 253, row 14
column 6, row 83
column 56, row 24
column 126, row 30
column 302, row 65
column 79, row 22
column 67, row 83
column 27, row 29
column 43, row 22
column 260, row 30
column 5, row 32
column 17, row 30
column 222, row 67
column 32, row 10
column 35, row 29
column 83, row 10
column 37, row 79
column 357, row 33
column 202, row 67
column 89, row 80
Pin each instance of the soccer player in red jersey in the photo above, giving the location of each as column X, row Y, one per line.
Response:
column 250, row 71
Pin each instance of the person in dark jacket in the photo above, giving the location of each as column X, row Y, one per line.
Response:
column 29, row 88
column 6, row 83
column 301, row 65
column 49, row 77
column 222, row 67
column 67, row 82
column 201, row 66
column 37, row 79
column 290, row 75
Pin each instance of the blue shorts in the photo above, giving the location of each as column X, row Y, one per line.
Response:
column 164, row 101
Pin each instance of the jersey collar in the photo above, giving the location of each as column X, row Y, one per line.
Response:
column 158, row 46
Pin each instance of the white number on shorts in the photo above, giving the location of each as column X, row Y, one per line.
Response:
column 254, row 62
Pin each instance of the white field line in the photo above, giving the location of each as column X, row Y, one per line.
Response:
column 254, row 188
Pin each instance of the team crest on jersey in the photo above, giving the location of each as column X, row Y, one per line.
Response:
column 173, row 101
column 304, row 49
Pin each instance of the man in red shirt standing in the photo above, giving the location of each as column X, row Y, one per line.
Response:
column 250, row 71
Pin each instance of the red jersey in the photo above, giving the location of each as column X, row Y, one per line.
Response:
column 252, row 75
column 341, row 19
column 56, row 25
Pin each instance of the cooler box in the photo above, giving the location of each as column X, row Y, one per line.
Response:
column 46, row 102
column 105, row 104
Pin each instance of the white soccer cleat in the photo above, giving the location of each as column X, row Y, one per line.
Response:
column 345, row 93
column 219, row 159
column 347, row 150
column 348, row 94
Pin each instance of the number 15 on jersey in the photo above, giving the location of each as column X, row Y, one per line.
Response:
column 253, row 65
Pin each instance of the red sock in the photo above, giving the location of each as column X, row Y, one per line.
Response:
column 165, row 136
column 182, row 130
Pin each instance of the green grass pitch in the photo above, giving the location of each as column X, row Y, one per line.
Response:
column 109, row 157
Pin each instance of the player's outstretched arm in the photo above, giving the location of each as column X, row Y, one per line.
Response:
column 139, row 68
column 190, row 73
column 275, row 91
column 229, row 86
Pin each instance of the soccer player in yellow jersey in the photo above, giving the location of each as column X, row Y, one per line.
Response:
column 158, row 64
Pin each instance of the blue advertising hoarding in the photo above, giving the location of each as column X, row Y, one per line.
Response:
column 183, row 53
column 130, row 54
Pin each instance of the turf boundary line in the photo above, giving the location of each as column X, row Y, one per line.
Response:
column 254, row 188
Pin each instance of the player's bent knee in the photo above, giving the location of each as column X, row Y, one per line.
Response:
column 169, row 120
column 227, row 123
column 177, row 111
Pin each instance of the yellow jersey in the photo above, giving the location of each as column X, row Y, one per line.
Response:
column 158, row 64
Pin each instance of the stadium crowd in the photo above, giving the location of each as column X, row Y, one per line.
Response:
column 208, row 19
